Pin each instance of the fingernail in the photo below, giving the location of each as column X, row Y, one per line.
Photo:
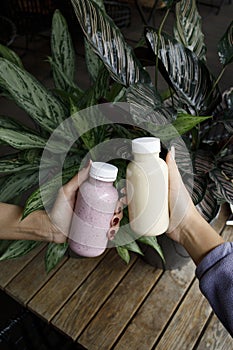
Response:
column 173, row 152
column 119, row 209
column 111, row 235
column 115, row 221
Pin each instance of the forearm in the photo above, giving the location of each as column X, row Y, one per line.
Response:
column 198, row 237
column 35, row 226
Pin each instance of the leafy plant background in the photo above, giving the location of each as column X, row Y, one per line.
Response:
column 192, row 103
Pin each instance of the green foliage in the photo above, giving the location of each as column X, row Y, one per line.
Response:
column 192, row 107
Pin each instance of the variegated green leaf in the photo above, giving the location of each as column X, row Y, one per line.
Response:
column 187, row 27
column 4, row 244
column 63, row 55
column 10, row 55
column 17, row 184
column 93, row 62
column 15, row 165
column 225, row 46
column 19, row 248
column 46, row 194
column 188, row 75
column 10, row 123
column 54, row 254
column 22, row 139
column 29, row 94
column 108, row 43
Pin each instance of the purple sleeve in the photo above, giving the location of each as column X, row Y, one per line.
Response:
column 215, row 274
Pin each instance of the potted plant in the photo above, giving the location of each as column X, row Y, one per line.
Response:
column 118, row 74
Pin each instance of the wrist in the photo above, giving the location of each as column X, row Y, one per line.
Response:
column 198, row 237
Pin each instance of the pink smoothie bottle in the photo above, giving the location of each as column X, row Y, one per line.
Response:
column 94, row 208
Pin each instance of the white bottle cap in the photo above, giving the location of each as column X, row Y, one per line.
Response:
column 103, row 171
column 144, row 145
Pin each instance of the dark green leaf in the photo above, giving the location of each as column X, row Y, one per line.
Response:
column 29, row 94
column 54, row 254
column 152, row 242
column 123, row 253
column 4, row 244
column 188, row 75
column 209, row 206
column 108, row 43
column 17, row 184
column 19, row 248
column 204, row 161
column 225, row 46
column 10, row 123
column 223, row 182
column 10, row 55
column 187, row 28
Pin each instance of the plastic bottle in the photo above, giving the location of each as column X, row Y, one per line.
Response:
column 147, row 188
column 94, row 209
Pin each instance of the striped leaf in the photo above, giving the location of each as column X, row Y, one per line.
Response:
column 204, row 161
column 225, row 46
column 223, row 182
column 46, row 194
column 19, row 248
column 93, row 62
column 208, row 207
column 17, row 184
column 63, row 55
column 108, row 43
column 10, row 55
column 188, row 75
column 29, row 94
column 21, row 139
column 54, row 254
column 187, row 29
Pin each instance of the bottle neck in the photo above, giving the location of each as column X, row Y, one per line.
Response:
column 147, row 156
column 100, row 183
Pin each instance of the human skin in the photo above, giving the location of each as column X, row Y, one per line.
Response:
column 187, row 226
column 51, row 227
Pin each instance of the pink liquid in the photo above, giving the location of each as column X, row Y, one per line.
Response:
column 94, row 209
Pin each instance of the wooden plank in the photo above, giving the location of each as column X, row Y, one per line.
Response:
column 54, row 294
column 188, row 322
column 149, row 322
column 29, row 280
column 10, row 268
column 215, row 337
column 118, row 310
column 84, row 304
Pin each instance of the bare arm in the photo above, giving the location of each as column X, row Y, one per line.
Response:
column 187, row 226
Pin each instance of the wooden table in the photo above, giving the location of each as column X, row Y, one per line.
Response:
column 102, row 303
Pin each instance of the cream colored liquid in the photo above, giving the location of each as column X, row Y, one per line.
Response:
column 147, row 191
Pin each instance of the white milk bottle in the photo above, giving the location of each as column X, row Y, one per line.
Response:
column 147, row 188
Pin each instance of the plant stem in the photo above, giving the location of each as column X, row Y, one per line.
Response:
column 216, row 81
column 158, row 44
